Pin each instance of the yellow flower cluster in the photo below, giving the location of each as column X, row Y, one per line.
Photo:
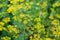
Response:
column 15, row 1
column 2, row 28
column 57, row 4
column 2, row 23
column 44, row 4
column 9, row 29
column 39, row 27
column 55, row 22
column 6, row 38
column 12, row 29
column 6, row 20
column 58, row 16
column 36, row 19
column 35, row 37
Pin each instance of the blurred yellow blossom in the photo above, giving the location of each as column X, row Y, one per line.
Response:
column 56, row 4
column 2, row 23
column 55, row 22
column 1, row 28
column 12, row 29
column 51, row 17
column 25, row 22
column 22, row 15
column 44, row 4
column 58, row 16
column 6, row 38
column 6, row 20
column 21, row 0
column 48, row 39
column 37, row 19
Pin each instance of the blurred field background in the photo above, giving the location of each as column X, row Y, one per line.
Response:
column 29, row 19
